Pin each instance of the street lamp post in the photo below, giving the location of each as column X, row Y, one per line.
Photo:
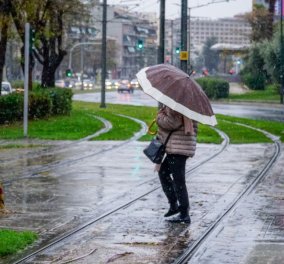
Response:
column 183, row 37
column 103, row 57
column 161, row 49
column 281, row 54
column 77, row 45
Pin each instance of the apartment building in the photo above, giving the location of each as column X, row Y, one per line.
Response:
column 234, row 31
column 129, row 29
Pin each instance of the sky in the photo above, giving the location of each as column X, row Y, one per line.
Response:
column 173, row 9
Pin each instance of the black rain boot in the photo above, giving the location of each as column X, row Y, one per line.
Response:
column 183, row 217
column 174, row 209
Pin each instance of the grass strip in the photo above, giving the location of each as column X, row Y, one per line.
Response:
column 269, row 95
column 240, row 134
column 273, row 127
column 81, row 123
column 124, row 128
column 78, row 125
column 13, row 241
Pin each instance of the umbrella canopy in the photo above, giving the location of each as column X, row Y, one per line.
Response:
column 175, row 89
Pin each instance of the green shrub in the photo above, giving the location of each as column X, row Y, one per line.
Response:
column 254, row 81
column 42, row 104
column 11, row 106
column 61, row 101
column 19, row 84
column 214, row 88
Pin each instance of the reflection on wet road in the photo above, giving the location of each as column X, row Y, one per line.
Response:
column 272, row 112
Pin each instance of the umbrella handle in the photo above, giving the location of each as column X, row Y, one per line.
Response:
column 149, row 128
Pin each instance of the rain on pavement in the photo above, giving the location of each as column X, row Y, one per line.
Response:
column 68, row 196
column 58, row 199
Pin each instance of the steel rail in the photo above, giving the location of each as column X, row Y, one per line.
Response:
column 37, row 171
column 189, row 252
column 68, row 235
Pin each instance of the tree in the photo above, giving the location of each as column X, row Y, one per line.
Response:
column 50, row 19
column 271, row 51
column 211, row 57
column 260, row 21
column 255, row 74
column 4, row 27
column 271, row 10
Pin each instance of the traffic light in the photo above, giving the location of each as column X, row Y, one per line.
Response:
column 32, row 37
column 177, row 50
column 140, row 44
column 68, row 73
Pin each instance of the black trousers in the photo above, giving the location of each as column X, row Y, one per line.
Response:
column 172, row 178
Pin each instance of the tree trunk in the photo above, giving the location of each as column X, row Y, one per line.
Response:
column 3, row 45
column 51, row 61
column 2, row 204
column 271, row 10
column 48, row 76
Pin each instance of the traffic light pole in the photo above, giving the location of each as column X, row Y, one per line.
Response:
column 183, row 63
column 103, row 75
column 161, row 50
column 281, row 55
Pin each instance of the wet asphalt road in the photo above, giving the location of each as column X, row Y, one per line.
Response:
column 256, row 111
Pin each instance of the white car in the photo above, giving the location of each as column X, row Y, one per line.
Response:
column 134, row 83
column 6, row 88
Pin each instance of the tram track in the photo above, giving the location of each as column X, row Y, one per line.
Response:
column 186, row 256
column 36, row 172
column 188, row 253
column 77, row 230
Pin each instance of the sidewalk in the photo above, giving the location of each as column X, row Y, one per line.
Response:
column 58, row 199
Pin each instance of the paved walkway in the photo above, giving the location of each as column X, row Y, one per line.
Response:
column 237, row 88
column 59, row 198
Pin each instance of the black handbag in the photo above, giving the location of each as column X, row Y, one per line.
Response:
column 156, row 149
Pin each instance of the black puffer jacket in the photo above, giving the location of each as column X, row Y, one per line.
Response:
column 179, row 142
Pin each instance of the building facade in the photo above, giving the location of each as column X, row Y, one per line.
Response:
column 234, row 31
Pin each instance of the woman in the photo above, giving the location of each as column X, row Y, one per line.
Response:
column 181, row 145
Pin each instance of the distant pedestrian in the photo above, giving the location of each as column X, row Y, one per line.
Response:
column 180, row 147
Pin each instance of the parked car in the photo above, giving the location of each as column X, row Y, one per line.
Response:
column 125, row 86
column 135, row 84
column 6, row 88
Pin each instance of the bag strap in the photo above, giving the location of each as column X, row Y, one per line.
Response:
column 168, row 137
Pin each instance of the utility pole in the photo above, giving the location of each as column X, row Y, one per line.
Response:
column 161, row 49
column 103, row 75
column 82, row 67
column 183, row 42
column 281, row 54
column 172, row 42
column 188, row 41
column 26, row 82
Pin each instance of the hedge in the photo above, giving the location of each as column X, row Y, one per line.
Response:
column 42, row 104
column 214, row 88
column 254, row 81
